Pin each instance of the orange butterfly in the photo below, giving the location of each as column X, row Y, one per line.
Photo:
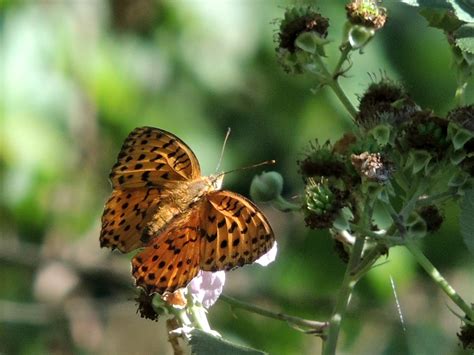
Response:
column 183, row 220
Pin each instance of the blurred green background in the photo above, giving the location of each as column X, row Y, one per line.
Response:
column 78, row 76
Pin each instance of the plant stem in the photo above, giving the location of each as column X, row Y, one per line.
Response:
column 438, row 278
column 285, row 206
column 333, row 83
column 314, row 325
column 348, row 283
column 346, row 49
column 343, row 98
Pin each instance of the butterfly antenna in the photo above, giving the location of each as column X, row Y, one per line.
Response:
column 267, row 162
column 222, row 150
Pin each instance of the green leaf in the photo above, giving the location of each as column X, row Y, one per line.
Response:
column 419, row 159
column 466, row 220
column 463, row 9
column 441, row 18
column 203, row 343
column 381, row 133
column 464, row 37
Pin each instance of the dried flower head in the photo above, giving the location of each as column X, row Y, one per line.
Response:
column 385, row 102
column 371, row 166
column 322, row 161
column 297, row 21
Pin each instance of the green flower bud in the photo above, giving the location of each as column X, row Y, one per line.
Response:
column 322, row 204
column 266, row 186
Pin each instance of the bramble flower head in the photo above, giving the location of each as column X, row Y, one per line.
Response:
column 427, row 132
column 366, row 13
column 320, row 160
column 385, row 102
column 302, row 32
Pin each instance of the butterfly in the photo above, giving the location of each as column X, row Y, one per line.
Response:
column 183, row 221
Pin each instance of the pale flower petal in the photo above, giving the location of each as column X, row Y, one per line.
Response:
column 269, row 257
column 207, row 286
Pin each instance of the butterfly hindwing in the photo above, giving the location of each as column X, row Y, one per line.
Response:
column 152, row 157
column 234, row 232
column 125, row 215
column 171, row 260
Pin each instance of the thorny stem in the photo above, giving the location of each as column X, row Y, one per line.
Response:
column 315, row 326
column 438, row 278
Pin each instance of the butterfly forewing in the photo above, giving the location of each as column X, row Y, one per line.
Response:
column 234, row 232
column 171, row 260
column 125, row 214
column 153, row 157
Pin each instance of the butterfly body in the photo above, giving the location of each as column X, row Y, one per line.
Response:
column 183, row 221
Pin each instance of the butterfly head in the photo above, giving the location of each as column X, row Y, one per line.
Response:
column 215, row 181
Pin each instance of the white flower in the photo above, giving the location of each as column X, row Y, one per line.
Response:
column 207, row 286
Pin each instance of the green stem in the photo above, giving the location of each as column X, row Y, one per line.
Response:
column 316, row 327
column 438, row 278
column 283, row 205
column 348, row 283
column 343, row 98
column 346, row 49
column 333, row 83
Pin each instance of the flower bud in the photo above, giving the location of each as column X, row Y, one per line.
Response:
column 302, row 32
column 385, row 102
column 322, row 204
column 432, row 217
column 266, row 186
column 321, row 160
column 427, row 132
